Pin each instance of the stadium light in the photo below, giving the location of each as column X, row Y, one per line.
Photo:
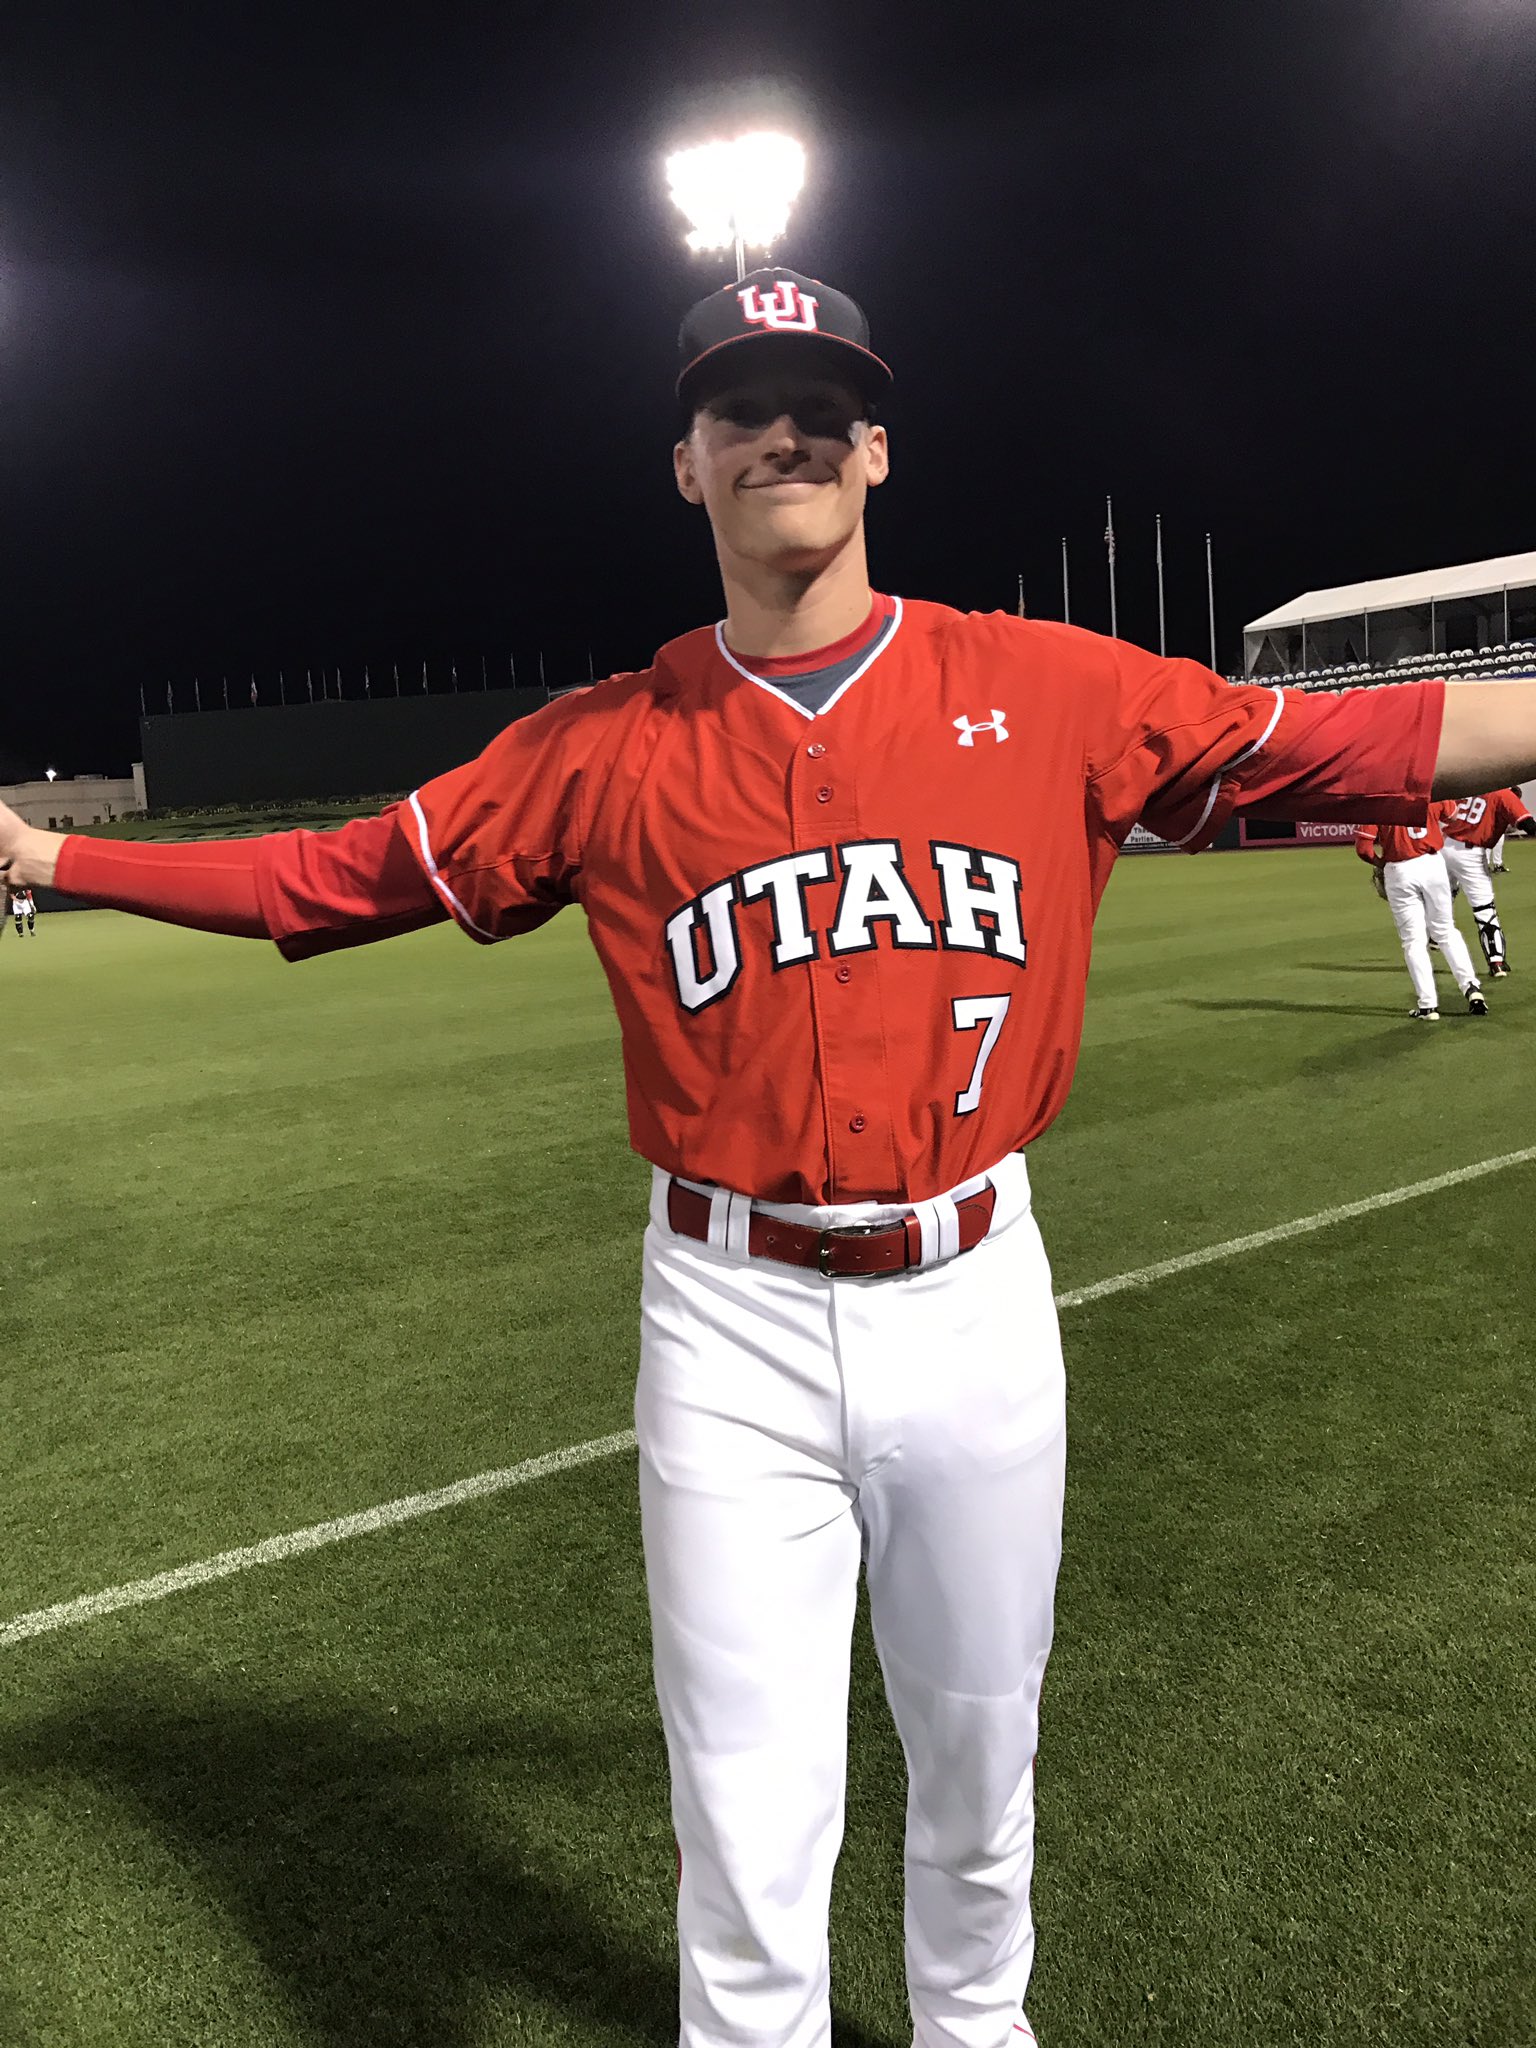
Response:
column 737, row 195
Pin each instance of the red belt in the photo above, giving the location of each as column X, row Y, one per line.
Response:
column 847, row 1251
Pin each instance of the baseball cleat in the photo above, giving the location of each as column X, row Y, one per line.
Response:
column 1477, row 1002
column 1499, row 969
column 1425, row 1016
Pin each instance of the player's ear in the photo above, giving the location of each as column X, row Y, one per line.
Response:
column 685, row 470
column 877, row 454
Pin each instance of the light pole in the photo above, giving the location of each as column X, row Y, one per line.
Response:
column 736, row 195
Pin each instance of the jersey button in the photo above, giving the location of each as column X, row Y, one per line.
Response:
column 855, row 1123
column 815, row 750
column 824, row 794
column 845, row 974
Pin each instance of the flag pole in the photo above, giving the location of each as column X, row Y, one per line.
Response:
column 1021, row 593
column 1109, row 542
column 1066, row 586
column 1210, row 596
column 1162, row 622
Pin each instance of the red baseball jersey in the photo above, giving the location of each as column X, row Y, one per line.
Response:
column 1395, row 842
column 1480, row 820
column 848, row 951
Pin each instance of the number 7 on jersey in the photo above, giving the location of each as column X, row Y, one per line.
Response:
column 969, row 1011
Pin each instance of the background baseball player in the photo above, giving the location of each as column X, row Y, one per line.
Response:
column 24, row 910
column 1411, row 874
column 1474, row 828
column 839, row 856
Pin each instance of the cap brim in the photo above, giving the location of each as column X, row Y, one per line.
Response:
column 862, row 365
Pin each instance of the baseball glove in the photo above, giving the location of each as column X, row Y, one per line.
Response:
column 1379, row 882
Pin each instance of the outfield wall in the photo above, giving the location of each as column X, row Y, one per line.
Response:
column 332, row 749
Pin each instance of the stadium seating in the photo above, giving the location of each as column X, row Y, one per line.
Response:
column 1511, row 658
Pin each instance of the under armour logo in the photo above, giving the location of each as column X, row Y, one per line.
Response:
column 786, row 306
column 995, row 724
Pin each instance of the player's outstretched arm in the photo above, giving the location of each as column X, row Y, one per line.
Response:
column 28, row 854
column 1488, row 738
column 310, row 892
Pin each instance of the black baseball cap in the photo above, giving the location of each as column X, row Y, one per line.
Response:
column 782, row 306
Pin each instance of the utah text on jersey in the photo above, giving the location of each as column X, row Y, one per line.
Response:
column 981, row 894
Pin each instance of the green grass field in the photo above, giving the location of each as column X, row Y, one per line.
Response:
column 282, row 1243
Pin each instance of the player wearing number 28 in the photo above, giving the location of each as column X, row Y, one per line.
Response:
column 1474, row 829
column 840, row 856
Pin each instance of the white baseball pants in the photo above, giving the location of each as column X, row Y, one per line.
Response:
column 1419, row 892
column 1468, row 868
column 792, row 1427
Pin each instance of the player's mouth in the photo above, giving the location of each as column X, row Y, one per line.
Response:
column 790, row 486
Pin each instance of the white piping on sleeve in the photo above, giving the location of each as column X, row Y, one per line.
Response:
column 1199, row 824
column 1264, row 737
column 460, row 914
column 1237, row 760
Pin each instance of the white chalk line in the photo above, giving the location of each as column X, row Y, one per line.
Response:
column 138, row 1592
column 1230, row 1247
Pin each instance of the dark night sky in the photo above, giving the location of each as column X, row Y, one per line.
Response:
column 332, row 335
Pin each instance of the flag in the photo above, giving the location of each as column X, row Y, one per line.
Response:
column 396, row 667
column 1109, row 542
column 170, row 701
column 423, row 675
column 143, row 709
column 309, row 683
column 197, row 694
column 591, row 678
column 282, row 694
column 512, row 668
column 453, row 670
column 254, row 698
column 225, row 681
column 367, row 686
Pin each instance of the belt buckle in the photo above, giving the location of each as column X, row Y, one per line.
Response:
column 824, row 1242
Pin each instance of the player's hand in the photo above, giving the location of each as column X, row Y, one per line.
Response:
column 28, row 855
column 1379, row 880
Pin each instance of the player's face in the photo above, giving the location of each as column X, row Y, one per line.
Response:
column 782, row 463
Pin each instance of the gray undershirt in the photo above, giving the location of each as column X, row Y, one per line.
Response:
column 814, row 689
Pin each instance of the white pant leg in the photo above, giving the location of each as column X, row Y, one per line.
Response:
column 961, row 1505
column 752, row 1561
column 1468, row 869
column 1410, row 914
column 1440, row 918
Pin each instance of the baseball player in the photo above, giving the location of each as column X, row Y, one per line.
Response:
column 24, row 910
column 1474, row 829
column 839, row 856
column 1409, row 864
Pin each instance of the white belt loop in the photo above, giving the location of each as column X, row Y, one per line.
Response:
column 939, row 1225
column 738, row 1225
column 719, row 1218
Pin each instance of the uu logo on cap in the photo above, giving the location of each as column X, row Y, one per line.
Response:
column 786, row 309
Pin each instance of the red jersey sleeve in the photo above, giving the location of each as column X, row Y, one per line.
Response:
column 1365, row 843
column 1511, row 810
column 1180, row 751
column 310, row 891
column 501, row 840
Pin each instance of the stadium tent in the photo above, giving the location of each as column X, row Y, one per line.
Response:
column 1474, row 605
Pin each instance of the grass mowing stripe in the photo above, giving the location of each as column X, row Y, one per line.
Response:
column 1389, row 1198
column 91, row 1606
